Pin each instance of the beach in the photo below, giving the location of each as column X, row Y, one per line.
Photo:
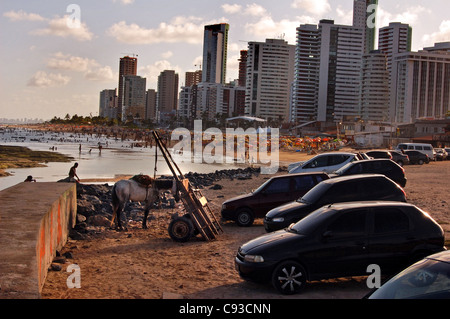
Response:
column 147, row 264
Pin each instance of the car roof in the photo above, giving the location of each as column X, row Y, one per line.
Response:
column 353, row 177
column 347, row 205
column 443, row 256
column 372, row 160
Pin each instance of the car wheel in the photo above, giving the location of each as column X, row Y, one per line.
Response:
column 181, row 229
column 289, row 277
column 421, row 162
column 244, row 217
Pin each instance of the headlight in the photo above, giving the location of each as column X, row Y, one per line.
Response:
column 278, row 219
column 254, row 258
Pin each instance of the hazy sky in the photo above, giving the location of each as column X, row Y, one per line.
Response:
column 52, row 66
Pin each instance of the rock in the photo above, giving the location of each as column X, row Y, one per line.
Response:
column 55, row 267
column 99, row 220
column 217, row 187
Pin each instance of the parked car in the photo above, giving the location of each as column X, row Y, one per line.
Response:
column 447, row 149
column 375, row 166
column 421, row 147
column 441, row 154
column 400, row 158
column 326, row 162
column 273, row 193
column 416, row 157
column 379, row 154
column 341, row 240
column 362, row 187
column 428, row 278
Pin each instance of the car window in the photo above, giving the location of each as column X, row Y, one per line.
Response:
column 377, row 188
column 320, row 161
column 419, row 148
column 337, row 159
column 280, row 185
column 410, row 147
column 390, row 220
column 350, row 224
column 427, row 148
column 341, row 192
column 303, row 182
column 355, row 169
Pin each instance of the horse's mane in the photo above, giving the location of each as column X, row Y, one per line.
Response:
column 142, row 179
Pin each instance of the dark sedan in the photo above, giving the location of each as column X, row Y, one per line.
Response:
column 416, row 157
column 335, row 190
column 274, row 192
column 375, row 166
column 341, row 240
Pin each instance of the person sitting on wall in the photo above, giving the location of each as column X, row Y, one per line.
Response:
column 30, row 179
column 73, row 174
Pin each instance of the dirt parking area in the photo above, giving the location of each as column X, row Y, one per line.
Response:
column 147, row 264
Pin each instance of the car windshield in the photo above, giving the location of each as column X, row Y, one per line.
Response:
column 314, row 194
column 309, row 224
column 426, row 279
column 262, row 186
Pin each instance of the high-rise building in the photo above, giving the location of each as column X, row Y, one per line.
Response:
column 270, row 72
column 422, row 80
column 215, row 43
column 134, row 97
column 150, row 104
column 327, row 72
column 394, row 39
column 374, row 88
column 167, row 99
column 127, row 66
column 108, row 104
column 364, row 16
column 192, row 78
column 243, row 68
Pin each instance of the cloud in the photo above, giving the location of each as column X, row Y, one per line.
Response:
column 409, row 16
column 45, row 80
column 443, row 35
column 152, row 71
column 92, row 69
column 22, row 16
column 250, row 9
column 316, row 7
column 266, row 27
column 60, row 27
column 180, row 29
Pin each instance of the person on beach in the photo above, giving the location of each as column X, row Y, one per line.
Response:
column 73, row 174
column 30, row 179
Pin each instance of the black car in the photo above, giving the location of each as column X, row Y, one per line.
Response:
column 400, row 158
column 428, row 278
column 416, row 157
column 379, row 154
column 362, row 187
column 341, row 240
column 375, row 166
column 274, row 192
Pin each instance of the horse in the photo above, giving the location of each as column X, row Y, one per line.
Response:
column 131, row 190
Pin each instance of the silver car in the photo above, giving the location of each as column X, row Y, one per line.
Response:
column 326, row 162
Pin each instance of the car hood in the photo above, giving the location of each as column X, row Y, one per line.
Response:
column 286, row 209
column 237, row 198
column 268, row 242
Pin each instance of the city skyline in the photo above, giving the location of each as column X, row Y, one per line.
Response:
column 54, row 69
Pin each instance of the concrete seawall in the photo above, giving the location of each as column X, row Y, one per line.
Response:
column 35, row 220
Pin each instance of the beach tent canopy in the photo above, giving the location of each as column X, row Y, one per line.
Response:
column 246, row 118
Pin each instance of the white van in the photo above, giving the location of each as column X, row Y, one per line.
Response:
column 424, row 148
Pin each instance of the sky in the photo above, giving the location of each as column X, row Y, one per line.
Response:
column 57, row 56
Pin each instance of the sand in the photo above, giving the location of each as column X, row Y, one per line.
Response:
column 147, row 264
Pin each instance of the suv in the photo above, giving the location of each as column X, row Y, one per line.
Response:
column 379, row 154
column 326, row 162
column 400, row 158
column 416, row 157
column 335, row 190
column 375, row 166
column 273, row 193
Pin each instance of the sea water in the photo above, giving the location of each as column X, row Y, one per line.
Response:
column 115, row 158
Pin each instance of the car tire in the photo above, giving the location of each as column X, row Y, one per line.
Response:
column 289, row 278
column 421, row 162
column 244, row 217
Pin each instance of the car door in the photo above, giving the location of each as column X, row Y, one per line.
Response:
column 336, row 161
column 316, row 164
column 390, row 238
column 343, row 242
column 274, row 194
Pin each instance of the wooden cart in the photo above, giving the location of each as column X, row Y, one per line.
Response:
column 199, row 219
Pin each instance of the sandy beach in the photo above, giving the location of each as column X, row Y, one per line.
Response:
column 147, row 264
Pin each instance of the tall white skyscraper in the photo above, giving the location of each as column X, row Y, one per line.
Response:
column 270, row 73
column 364, row 16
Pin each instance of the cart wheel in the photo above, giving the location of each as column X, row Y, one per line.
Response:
column 181, row 229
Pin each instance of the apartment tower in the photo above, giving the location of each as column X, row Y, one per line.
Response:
column 215, row 43
column 127, row 66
